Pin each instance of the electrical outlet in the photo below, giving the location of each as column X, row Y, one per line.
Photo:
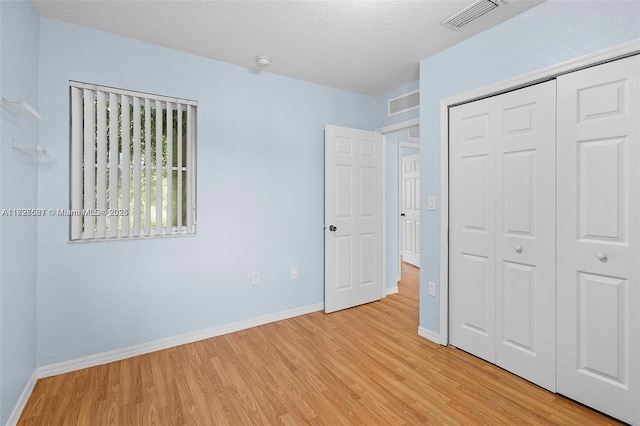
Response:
column 432, row 289
column 294, row 273
column 255, row 278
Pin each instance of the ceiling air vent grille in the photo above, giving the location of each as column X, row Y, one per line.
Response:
column 404, row 103
column 470, row 13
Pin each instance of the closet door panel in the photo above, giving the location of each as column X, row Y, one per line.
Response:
column 525, row 238
column 472, row 229
column 598, row 239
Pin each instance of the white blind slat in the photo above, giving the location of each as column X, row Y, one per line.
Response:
column 101, row 165
column 169, row 167
column 76, row 162
column 147, row 164
column 113, row 163
column 158, row 170
column 126, row 164
column 89, row 201
column 137, row 136
column 179, row 174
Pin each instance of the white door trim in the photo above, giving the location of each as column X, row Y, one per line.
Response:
column 601, row 56
column 398, row 126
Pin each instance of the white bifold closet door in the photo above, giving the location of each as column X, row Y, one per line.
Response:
column 502, row 230
column 598, row 239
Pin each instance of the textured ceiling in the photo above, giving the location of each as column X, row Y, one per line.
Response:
column 367, row 47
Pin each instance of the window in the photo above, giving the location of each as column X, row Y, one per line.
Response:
column 132, row 164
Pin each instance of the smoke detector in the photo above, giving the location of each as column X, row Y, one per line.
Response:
column 263, row 61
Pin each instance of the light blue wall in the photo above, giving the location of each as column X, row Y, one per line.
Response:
column 18, row 189
column 548, row 34
column 260, row 199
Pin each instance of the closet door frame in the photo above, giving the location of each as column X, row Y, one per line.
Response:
column 599, row 57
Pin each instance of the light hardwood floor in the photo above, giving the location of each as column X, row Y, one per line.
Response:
column 364, row 365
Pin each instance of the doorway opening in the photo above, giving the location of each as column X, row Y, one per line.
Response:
column 401, row 140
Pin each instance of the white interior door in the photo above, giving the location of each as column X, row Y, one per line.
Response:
column 353, row 217
column 410, row 212
column 502, row 236
column 598, row 266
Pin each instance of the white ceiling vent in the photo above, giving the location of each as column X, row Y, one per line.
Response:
column 470, row 13
column 404, row 103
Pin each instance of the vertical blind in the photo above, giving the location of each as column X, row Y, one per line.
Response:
column 132, row 162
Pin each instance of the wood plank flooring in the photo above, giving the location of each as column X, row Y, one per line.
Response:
column 364, row 365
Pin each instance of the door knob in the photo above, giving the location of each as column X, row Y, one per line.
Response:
column 402, row 214
column 518, row 249
column 602, row 257
column 332, row 228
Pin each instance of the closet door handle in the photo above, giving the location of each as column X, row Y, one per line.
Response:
column 518, row 249
column 602, row 257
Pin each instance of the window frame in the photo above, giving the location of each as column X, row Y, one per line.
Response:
column 93, row 214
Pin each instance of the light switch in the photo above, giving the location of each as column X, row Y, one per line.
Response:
column 432, row 289
column 431, row 202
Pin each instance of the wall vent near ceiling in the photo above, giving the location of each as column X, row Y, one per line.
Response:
column 404, row 103
column 470, row 13
column 414, row 132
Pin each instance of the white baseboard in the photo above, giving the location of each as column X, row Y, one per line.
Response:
column 169, row 342
column 392, row 290
column 431, row 335
column 22, row 401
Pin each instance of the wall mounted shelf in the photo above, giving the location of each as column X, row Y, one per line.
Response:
column 23, row 109
column 36, row 151
column 19, row 108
